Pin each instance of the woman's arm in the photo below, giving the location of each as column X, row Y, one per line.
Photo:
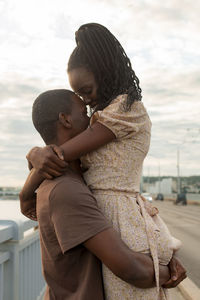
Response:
column 47, row 162
column 27, row 195
column 89, row 140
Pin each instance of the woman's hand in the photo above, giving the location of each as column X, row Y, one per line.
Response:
column 49, row 161
column 177, row 273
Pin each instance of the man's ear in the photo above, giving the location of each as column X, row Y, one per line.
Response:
column 65, row 120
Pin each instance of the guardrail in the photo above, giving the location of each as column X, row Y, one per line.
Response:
column 20, row 263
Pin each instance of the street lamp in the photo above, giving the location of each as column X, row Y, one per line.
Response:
column 178, row 159
column 159, row 189
column 178, row 172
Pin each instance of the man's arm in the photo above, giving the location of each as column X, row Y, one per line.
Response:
column 78, row 220
column 132, row 267
column 27, row 195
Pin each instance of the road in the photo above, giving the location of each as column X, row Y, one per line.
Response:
column 184, row 223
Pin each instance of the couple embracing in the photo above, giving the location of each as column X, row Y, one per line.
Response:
column 99, row 238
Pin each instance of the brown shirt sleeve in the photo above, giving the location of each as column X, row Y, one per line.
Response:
column 75, row 214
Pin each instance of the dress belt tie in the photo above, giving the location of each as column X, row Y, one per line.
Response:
column 151, row 239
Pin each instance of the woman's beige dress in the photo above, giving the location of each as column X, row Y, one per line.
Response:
column 114, row 177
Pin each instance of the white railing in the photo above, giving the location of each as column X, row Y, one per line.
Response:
column 20, row 263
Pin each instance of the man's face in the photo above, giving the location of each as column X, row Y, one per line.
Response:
column 84, row 84
column 79, row 117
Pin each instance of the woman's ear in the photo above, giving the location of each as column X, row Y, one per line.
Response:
column 65, row 120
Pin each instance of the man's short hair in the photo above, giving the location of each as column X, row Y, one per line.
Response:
column 46, row 109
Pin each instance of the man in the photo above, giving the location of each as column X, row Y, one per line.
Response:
column 73, row 232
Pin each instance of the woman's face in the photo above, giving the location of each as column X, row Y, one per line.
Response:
column 84, row 85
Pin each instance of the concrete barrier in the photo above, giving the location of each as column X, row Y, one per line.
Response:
column 20, row 263
column 189, row 290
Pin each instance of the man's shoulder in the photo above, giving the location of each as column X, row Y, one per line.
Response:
column 68, row 185
column 71, row 182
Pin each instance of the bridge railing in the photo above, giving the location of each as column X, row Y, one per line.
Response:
column 20, row 262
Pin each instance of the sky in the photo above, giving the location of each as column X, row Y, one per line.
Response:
column 162, row 41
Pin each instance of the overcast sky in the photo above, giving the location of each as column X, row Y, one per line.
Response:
column 162, row 40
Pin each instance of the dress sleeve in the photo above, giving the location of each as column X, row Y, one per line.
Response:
column 121, row 122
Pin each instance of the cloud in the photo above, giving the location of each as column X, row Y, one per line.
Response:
column 17, row 132
column 172, row 101
column 162, row 40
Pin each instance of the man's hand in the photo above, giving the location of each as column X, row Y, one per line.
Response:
column 49, row 161
column 177, row 273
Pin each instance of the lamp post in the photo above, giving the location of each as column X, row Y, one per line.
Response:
column 159, row 189
column 178, row 172
column 178, row 156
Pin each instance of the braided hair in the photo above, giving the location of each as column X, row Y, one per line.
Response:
column 101, row 53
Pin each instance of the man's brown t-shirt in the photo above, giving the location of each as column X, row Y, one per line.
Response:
column 68, row 215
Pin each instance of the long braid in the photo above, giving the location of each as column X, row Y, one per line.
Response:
column 101, row 53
